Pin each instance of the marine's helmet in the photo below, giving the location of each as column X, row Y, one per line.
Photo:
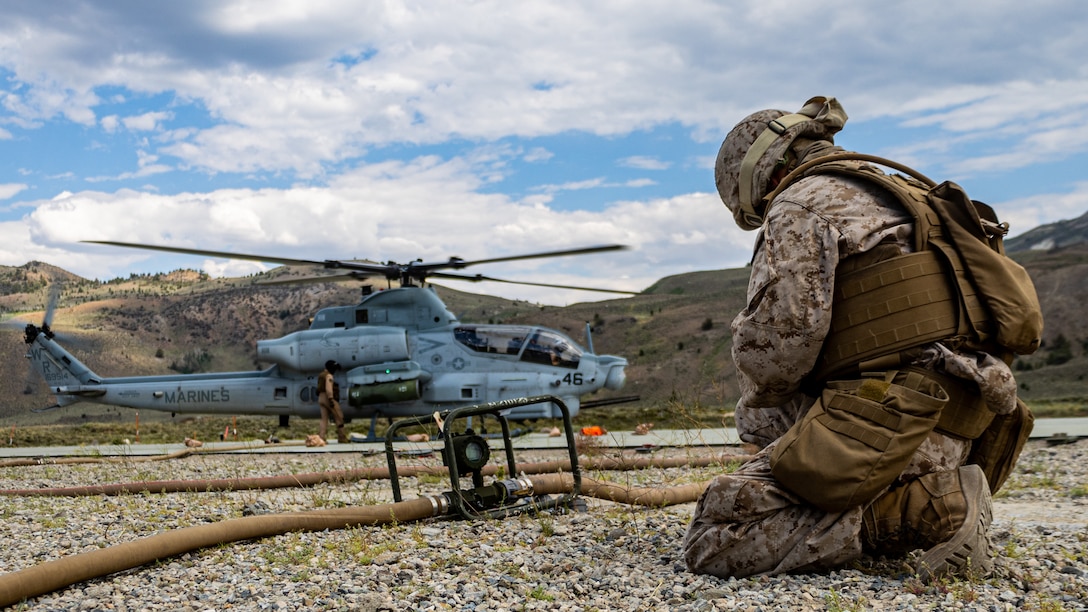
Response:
column 758, row 144
column 332, row 366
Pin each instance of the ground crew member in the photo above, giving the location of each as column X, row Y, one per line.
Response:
column 748, row 522
column 328, row 398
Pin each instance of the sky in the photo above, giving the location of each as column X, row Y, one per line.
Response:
column 396, row 131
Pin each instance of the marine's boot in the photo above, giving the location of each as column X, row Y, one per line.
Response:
column 947, row 514
column 341, row 435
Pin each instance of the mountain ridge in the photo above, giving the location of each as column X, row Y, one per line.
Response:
column 1057, row 235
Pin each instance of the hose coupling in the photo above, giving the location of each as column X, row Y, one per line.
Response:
column 440, row 504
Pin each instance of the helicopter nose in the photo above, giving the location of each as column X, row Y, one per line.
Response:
column 613, row 368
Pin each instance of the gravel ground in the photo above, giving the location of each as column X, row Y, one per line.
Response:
column 609, row 557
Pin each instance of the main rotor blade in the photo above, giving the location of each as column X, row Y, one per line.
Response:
column 220, row 254
column 54, row 298
column 31, row 386
column 329, row 278
column 480, row 277
column 405, row 273
column 370, row 269
column 458, row 264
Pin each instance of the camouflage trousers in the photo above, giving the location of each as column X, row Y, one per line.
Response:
column 746, row 523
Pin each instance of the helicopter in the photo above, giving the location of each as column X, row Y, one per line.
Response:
column 401, row 351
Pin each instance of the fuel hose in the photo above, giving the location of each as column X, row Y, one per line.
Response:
column 66, row 571
column 179, row 454
column 59, row 573
column 375, row 473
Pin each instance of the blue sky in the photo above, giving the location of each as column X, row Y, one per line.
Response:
column 404, row 130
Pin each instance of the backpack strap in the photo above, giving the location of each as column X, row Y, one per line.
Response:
column 803, row 169
column 912, row 195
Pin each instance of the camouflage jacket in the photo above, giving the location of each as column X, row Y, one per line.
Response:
column 809, row 228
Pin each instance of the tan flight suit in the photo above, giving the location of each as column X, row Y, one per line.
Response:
column 330, row 406
column 746, row 523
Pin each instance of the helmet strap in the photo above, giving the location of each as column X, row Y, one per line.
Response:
column 775, row 128
column 826, row 111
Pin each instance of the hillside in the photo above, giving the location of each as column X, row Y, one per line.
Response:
column 1051, row 236
column 676, row 335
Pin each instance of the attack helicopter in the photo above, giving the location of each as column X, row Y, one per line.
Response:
column 402, row 353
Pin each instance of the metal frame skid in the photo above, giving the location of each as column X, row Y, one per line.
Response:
column 466, row 454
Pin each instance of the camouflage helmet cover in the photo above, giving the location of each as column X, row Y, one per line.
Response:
column 752, row 149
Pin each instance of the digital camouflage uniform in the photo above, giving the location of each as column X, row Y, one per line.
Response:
column 746, row 523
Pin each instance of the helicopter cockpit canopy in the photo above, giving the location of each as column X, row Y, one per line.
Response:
column 531, row 344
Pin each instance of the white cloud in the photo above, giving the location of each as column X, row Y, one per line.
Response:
column 1023, row 214
column 538, row 154
column 401, row 211
column 146, row 166
column 110, row 123
column 643, row 162
column 480, row 71
column 593, row 183
column 147, row 121
column 19, row 245
column 10, row 190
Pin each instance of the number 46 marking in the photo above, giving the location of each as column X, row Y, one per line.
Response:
column 574, row 378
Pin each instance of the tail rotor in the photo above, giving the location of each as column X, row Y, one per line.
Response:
column 32, row 331
column 55, row 291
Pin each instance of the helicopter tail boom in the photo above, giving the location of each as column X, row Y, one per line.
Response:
column 58, row 367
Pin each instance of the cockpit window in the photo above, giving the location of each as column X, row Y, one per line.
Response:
column 505, row 340
column 551, row 348
column 540, row 346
